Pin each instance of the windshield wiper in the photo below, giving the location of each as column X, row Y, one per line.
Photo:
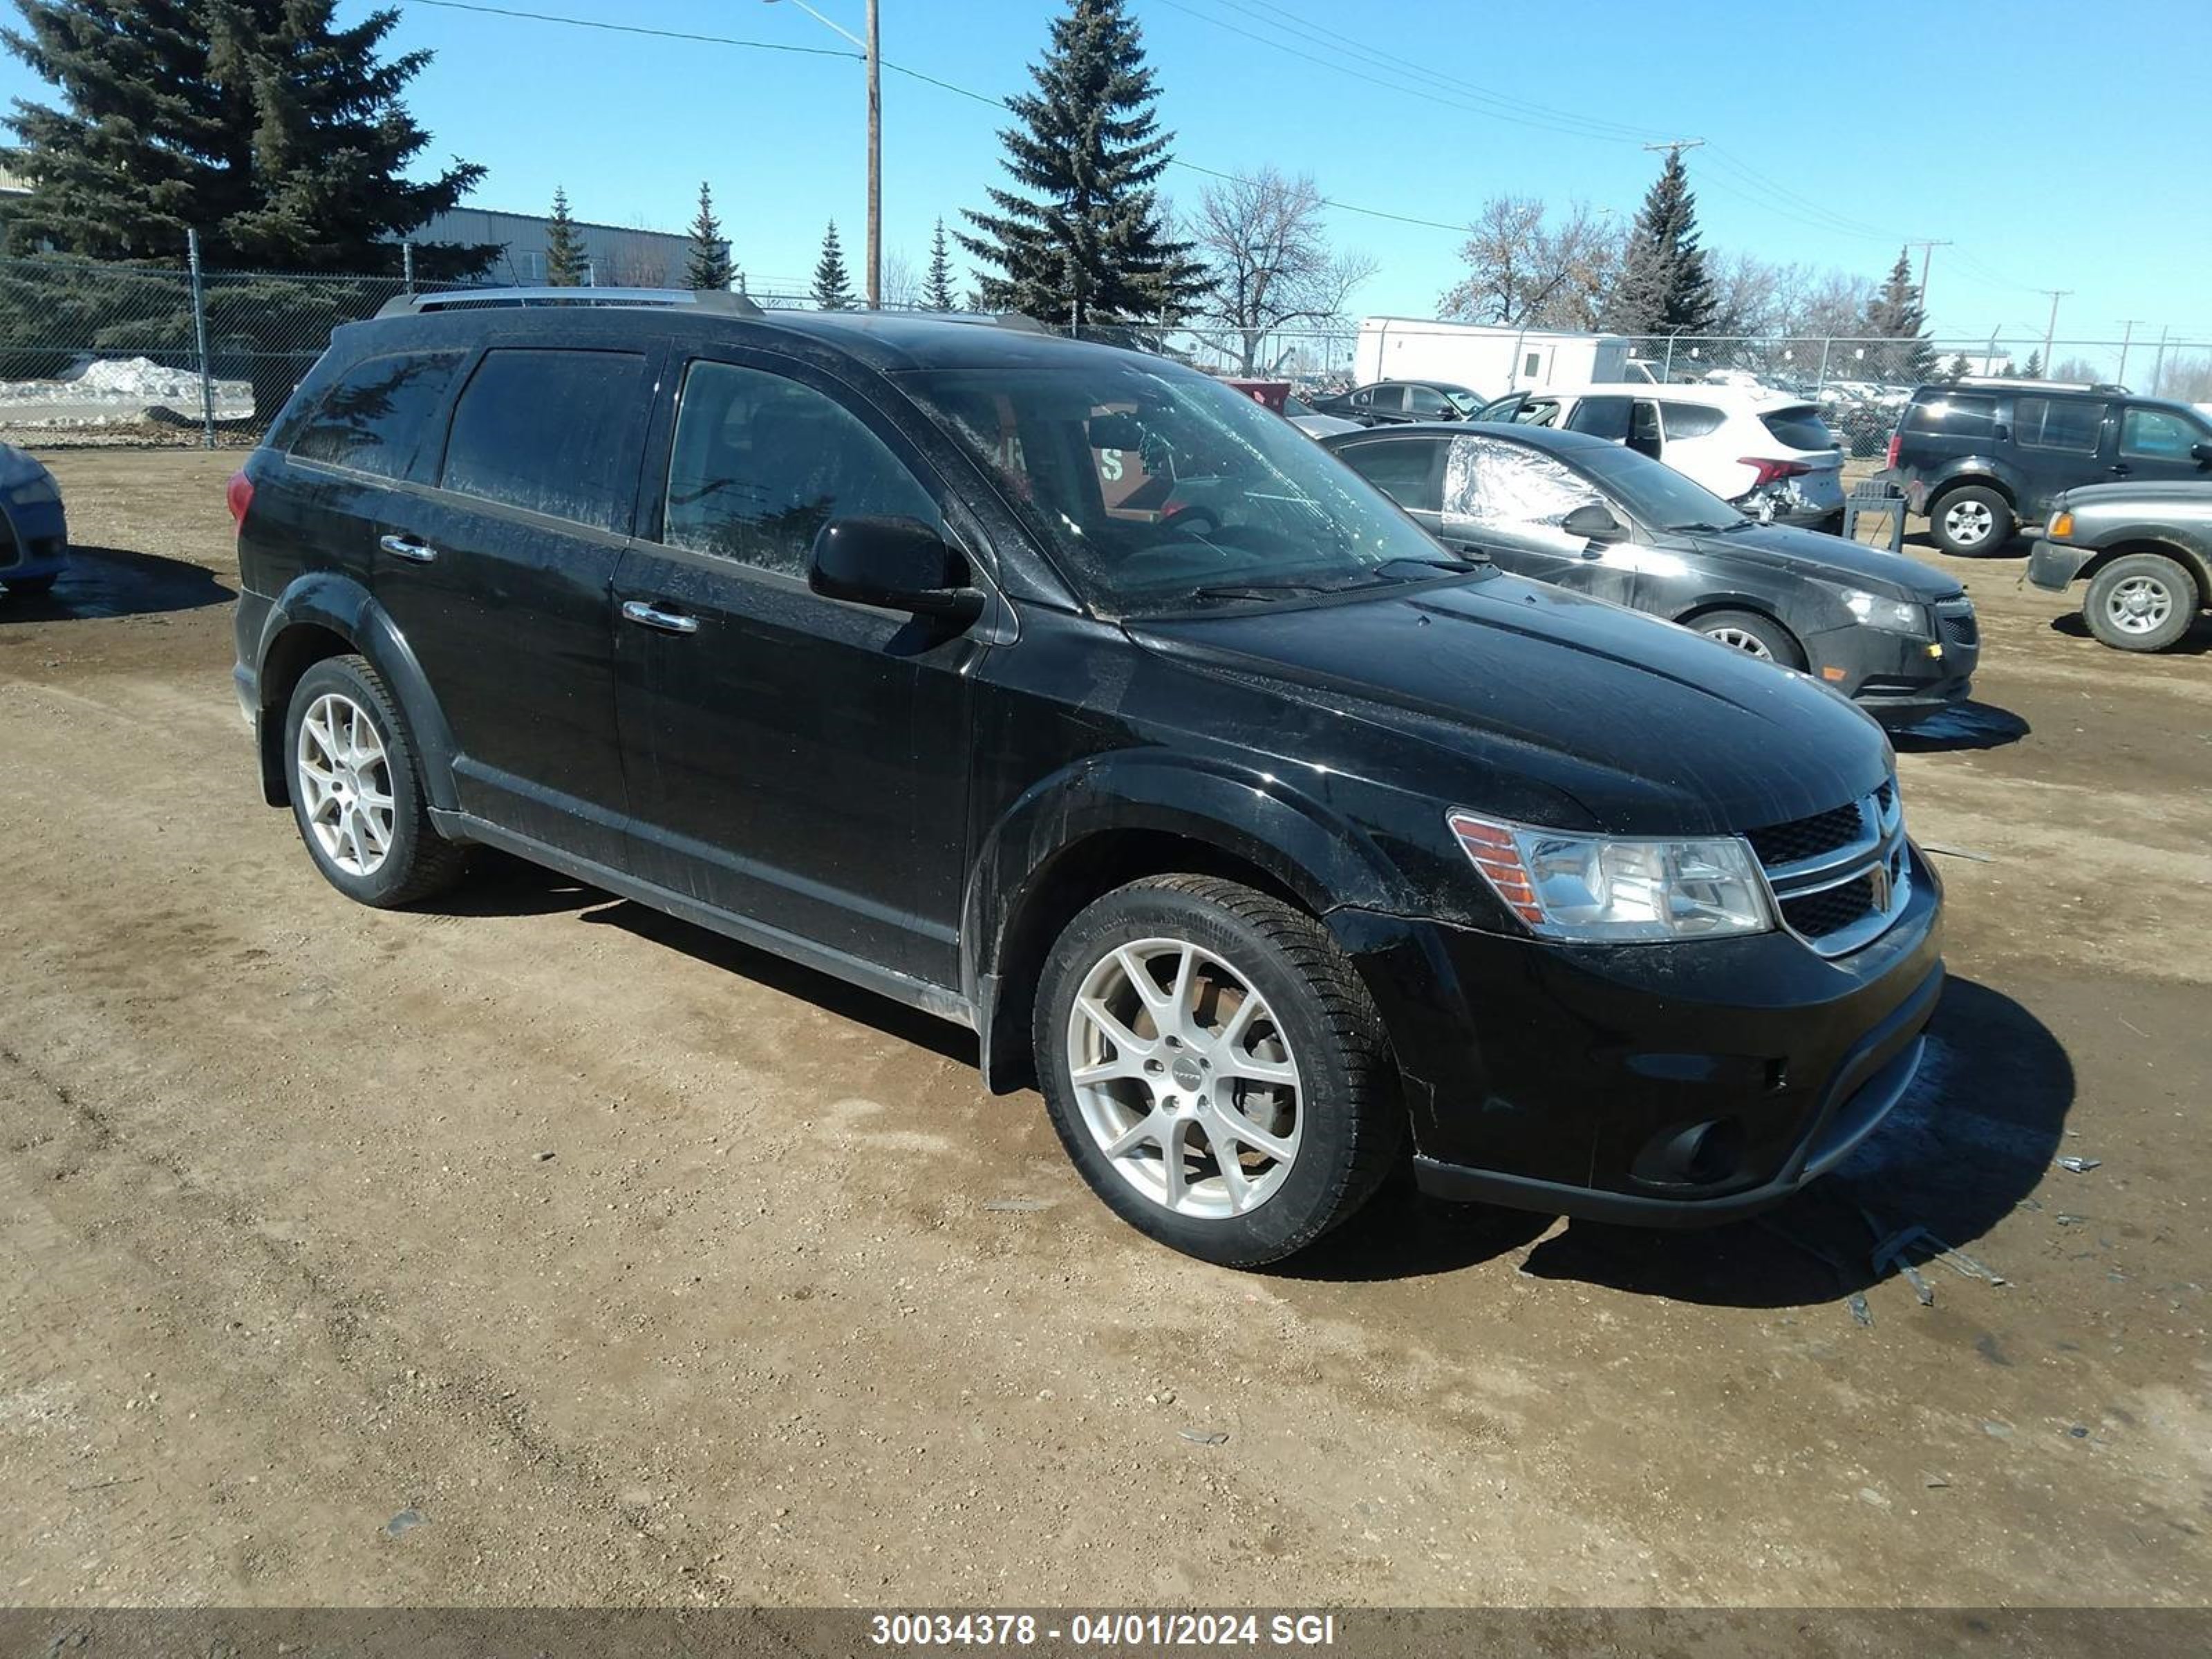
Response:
column 1707, row 529
column 1261, row 591
column 1455, row 564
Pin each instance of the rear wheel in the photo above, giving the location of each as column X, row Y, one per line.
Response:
column 356, row 793
column 1215, row 1068
column 2144, row 602
column 1751, row 634
column 1972, row 519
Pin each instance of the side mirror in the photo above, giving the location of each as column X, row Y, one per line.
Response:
column 1592, row 522
column 894, row 564
column 2202, row 453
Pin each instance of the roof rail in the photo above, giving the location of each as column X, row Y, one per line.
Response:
column 2110, row 386
column 484, row 299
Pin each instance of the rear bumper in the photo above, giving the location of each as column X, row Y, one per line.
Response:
column 2055, row 568
column 1666, row 1085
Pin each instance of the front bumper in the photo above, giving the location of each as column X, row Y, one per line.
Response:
column 1666, row 1085
column 1894, row 677
column 2055, row 568
column 34, row 541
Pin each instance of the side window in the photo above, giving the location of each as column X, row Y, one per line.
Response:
column 1363, row 398
column 373, row 413
column 1643, row 428
column 2058, row 423
column 761, row 462
column 1422, row 400
column 1404, row 469
column 1692, row 420
column 553, row 432
column 1539, row 411
column 1956, row 414
column 1601, row 418
column 2156, row 435
column 1503, row 486
column 1391, row 397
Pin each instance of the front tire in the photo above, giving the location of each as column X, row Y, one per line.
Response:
column 1971, row 521
column 357, row 793
column 2144, row 602
column 1215, row 1068
column 1753, row 635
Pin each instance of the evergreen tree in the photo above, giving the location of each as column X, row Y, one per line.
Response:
column 279, row 135
column 565, row 264
column 1088, row 241
column 1960, row 367
column 1663, row 286
column 2035, row 369
column 833, row 288
column 708, row 265
column 937, row 287
column 1895, row 314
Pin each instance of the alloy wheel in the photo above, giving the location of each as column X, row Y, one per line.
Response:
column 1743, row 640
column 344, row 778
column 1185, row 1079
column 2140, row 604
column 1968, row 522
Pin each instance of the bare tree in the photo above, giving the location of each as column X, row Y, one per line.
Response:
column 1269, row 258
column 1522, row 271
column 902, row 283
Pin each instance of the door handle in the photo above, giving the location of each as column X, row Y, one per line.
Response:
column 652, row 616
column 2119, row 469
column 406, row 547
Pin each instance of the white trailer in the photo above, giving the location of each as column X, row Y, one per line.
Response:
column 1485, row 359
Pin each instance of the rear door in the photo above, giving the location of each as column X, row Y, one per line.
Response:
column 1406, row 469
column 499, row 579
column 2060, row 442
column 2156, row 443
column 1386, row 406
column 797, row 761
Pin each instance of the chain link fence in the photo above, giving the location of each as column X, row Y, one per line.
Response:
column 94, row 353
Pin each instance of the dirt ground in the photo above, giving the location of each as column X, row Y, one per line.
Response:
column 538, row 1249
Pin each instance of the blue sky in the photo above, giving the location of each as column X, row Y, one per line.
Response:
column 1833, row 133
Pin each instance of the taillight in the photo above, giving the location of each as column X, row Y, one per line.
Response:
column 1773, row 471
column 1889, row 455
column 238, row 494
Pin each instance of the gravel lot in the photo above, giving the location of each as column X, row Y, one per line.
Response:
column 538, row 1249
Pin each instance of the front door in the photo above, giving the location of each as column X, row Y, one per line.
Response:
column 1509, row 501
column 498, row 577
column 2159, row 444
column 795, row 761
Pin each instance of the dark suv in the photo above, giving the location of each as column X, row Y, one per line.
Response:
column 1063, row 692
column 1984, row 457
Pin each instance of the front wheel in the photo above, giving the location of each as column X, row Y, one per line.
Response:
column 1215, row 1068
column 2144, row 602
column 1751, row 634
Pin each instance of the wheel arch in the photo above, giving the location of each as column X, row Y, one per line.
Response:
column 2199, row 569
column 322, row 615
column 1973, row 472
column 1082, row 835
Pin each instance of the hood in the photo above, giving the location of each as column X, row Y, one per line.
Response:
column 2180, row 492
column 1648, row 727
column 1814, row 553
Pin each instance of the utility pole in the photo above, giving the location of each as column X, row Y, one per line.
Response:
column 875, row 167
column 2128, row 333
column 1674, row 147
column 1925, row 247
column 2158, row 368
column 2051, row 327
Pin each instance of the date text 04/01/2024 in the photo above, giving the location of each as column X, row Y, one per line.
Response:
column 1122, row 1629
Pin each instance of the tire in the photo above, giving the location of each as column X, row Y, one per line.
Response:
column 1326, row 1107
column 1972, row 519
column 30, row 587
column 2144, row 602
column 384, row 856
column 1754, row 635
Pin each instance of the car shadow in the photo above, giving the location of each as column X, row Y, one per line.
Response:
column 113, row 582
column 2196, row 642
column 1971, row 1141
column 1963, row 725
column 500, row 884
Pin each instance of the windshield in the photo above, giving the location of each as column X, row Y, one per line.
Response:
column 1655, row 494
column 1157, row 489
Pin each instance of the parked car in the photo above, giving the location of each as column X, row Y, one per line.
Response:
column 1311, row 421
column 1062, row 692
column 1898, row 638
column 33, row 527
column 1983, row 459
column 1387, row 403
column 1766, row 452
column 2144, row 549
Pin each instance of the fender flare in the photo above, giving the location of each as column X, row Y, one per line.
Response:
column 340, row 604
column 1971, row 470
column 1251, row 816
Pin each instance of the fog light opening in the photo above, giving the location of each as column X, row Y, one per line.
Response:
column 1700, row 1155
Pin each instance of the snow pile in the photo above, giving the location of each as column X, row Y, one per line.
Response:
column 137, row 380
column 100, row 391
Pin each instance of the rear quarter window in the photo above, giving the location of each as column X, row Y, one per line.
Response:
column 1958, row 415
column 1691, row 420
column 552, row 432
column 371, row 416
column 1404, row 469
column 1800, row 428
column 2058, row 423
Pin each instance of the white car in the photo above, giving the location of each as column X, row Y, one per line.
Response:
column 1767, row 453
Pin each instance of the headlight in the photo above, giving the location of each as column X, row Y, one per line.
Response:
column 1604, row 889
column 35, row 492
column 1891, row 616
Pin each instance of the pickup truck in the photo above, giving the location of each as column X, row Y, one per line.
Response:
column 2144, row 549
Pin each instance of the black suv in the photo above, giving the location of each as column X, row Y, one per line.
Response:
column 1066, row 693
column 1387, row 403
column 1983, row 457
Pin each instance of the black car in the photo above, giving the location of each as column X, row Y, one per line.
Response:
column 1984, row 457
column 1566, row 507
column 1065, row 693
column 1389, row 402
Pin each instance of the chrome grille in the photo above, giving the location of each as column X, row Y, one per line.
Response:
column 1840, row 877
